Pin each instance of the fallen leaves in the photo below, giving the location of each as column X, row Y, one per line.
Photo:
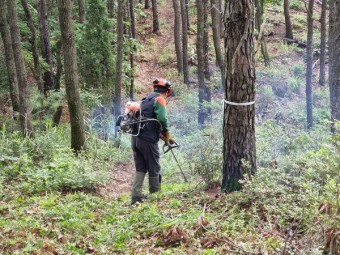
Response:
column 174, row 236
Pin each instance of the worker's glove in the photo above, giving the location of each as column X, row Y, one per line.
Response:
column 168, row 138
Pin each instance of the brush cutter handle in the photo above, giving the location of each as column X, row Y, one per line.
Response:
column 167, row 146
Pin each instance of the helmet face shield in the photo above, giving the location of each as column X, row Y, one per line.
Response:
column 163, row 83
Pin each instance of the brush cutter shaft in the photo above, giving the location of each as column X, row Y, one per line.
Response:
column 168, row 147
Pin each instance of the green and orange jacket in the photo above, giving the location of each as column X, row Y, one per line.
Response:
column 154, row 107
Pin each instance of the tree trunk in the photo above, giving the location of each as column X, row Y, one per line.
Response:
column 82, row 12
column 288, row 22
column 34, row 47
column 177, row 35
column 184, row 42
column 239, row 152
column 119, row 59
column 46, row 51
column 334, row 63
column 11, row 71
column 206, row 39
column 133, row 48
column 24, row 109
column 323, row 43
column 155, row 22
column 204, row 94
column 71, row 75
column 59, row 64
column 147, row 4
column 259, row 26
column 309, row 72
column 111, row 8
column 187, row 14
column 215, row 20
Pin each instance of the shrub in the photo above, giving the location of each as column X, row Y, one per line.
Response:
column 206, row 156
column 295, row 84
column 47, row 163
column 296, row 5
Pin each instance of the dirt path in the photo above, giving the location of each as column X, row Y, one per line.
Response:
column 147, row 69
column 147, row 66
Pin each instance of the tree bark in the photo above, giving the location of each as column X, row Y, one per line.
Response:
column 204, row 94
column 215, row 20
column 82, row 12
column 119, row 59
column 239, row 152
column 155, row 22
column 71, row 75
column 323, row 36
column 289, row 27
column 59, row 64
column 309, row 71
column 206, row 39
column 11, row 71
column 111, row 8
column 147, row 4
column 177, row 36
column 24, row 109
column 334, row 63
column 184, row 42
column 259, row 26
column 34, row 45
column 133, row 48
column 187, row 14
column 46, row 51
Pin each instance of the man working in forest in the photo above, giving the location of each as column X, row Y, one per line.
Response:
column 145, row 145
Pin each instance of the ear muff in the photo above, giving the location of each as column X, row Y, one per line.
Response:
column 168, row 86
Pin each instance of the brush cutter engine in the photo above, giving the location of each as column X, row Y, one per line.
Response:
column 132, row 121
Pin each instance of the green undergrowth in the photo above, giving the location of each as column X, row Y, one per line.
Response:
column 47, row 163
column 274, row 211
column 291, row 206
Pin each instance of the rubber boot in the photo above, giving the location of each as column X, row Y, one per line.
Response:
column 154, row 184
column 137, row 188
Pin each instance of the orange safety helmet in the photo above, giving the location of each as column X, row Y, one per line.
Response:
column 162, row 85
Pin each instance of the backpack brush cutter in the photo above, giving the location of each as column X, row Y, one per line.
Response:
column 132, row 121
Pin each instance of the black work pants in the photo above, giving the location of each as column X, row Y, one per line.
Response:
column 146, row 156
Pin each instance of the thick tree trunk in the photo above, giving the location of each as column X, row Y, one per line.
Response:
column 309, row 72
column 111, row 8
column 288, row 22
column 215, row 20
column 10, row 64
column 177, row 35
column 323, row 43
column 34, row 48
column 185, row 42
column 334, row 63
column 82, row 12
column 71, row 75
column 24, row 109
column 119, row 59
column 239, row 151
column 204, row 94
column 206, row 39
column 155, row 22
column 46, row 51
